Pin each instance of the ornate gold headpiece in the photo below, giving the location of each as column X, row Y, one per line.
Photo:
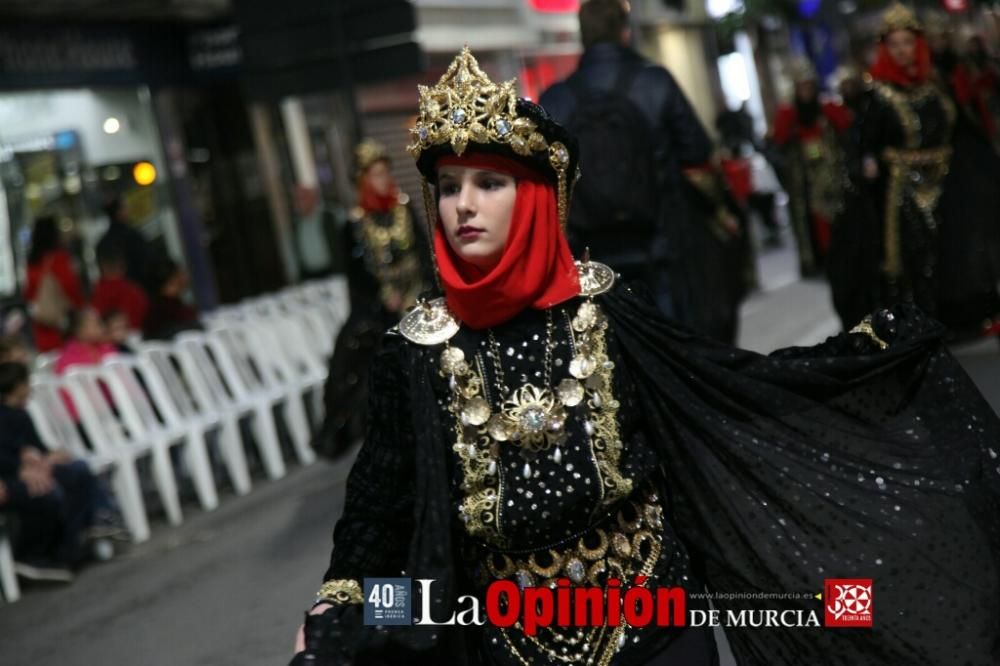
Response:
column 465, row 106
column 367, row 153
column 899, row 17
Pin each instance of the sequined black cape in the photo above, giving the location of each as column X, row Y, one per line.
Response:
column 834, row 461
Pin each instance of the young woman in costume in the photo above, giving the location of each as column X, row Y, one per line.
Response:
column 542, row 421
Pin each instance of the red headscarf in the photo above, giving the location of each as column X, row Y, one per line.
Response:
column 536, row 269
column 886, row 69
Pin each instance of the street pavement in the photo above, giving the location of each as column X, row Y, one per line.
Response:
column 228, row 588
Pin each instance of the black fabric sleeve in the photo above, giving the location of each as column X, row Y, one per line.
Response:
column 874, row 120
column 29, row 435
column 362, row 285
column 372, row 536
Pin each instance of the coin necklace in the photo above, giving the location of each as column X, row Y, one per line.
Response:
column 531, row 417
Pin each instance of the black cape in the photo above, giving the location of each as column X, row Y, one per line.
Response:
column 834, row 461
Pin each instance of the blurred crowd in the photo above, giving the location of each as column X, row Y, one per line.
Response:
column 889, row 172
column 891, row 175
column 59, row 512
column 885, row 176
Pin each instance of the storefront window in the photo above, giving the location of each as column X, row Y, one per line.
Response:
column 70, row 153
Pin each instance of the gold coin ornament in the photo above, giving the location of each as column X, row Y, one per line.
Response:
column 453, row 361
column 476, row 411
column 571, row 392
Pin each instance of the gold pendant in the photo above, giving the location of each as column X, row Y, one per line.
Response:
column 533, row 417
column 570, row 392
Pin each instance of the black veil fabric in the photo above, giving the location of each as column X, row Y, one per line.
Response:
column 824, row 462
column 833, row 461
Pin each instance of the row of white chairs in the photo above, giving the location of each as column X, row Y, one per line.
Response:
column 266, row 354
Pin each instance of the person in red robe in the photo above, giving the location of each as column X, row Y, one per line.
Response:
column 115, row 292
column 809, row 130
column 48, row 257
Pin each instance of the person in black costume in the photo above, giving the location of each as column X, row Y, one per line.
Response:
column 968, row 275
column 542, row 420
column 386, row 263
column 906, row 147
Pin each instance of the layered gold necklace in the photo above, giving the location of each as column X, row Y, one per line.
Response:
column 530, row 417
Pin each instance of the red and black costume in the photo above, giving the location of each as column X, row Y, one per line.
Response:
column 810, row 133
column 568, row 431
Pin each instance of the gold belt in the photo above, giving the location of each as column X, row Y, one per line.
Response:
column 627, row 545
column 917, row 157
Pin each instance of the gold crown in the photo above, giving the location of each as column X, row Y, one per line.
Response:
column 466, row 106
column 899, row 17
column 367, row 153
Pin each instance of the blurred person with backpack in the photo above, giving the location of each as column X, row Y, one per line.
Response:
column 53, row 288
column 637, row 131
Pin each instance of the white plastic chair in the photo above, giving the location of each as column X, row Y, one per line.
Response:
column 132, row 400
column 108, row 436
column 305, row 360
column 58, row 430
column 45, row 362
column 298, row 367
column 174, row 399
column 216, row 384
column 261, row 374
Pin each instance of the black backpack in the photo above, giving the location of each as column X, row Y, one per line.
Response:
column 617, row 193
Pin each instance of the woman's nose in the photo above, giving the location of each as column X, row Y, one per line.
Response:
column 465, row 203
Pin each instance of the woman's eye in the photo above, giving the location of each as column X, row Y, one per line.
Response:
column 448, row 189
column 492, row 184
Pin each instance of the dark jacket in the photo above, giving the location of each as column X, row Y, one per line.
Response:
column 16, row 432
column 681, row 141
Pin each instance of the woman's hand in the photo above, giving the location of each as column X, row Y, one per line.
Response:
column 300, row 636
column 37, row 479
